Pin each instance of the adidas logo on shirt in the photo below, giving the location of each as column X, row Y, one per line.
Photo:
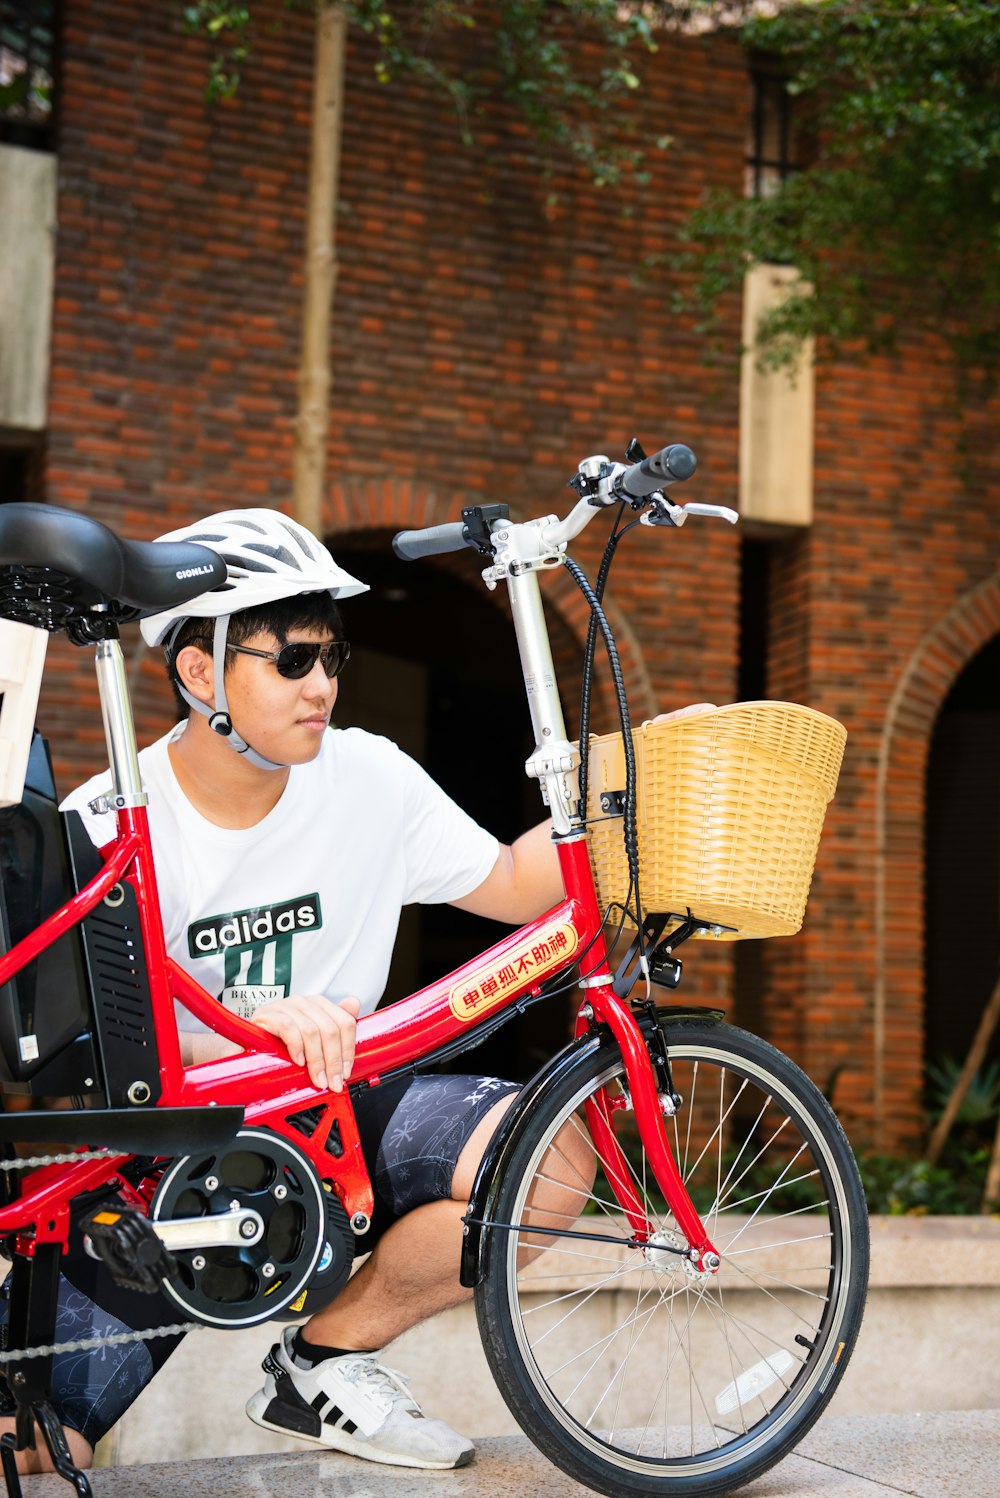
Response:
column 249, row 928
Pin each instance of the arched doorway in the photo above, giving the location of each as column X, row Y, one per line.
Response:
column 962, row 942
column 434, row 667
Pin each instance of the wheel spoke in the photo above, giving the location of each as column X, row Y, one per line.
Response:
column 636, row 1330
column 769, row 1191
column 746, row 1326
column 569, row 1295
column 601, row 1344
column 622, row 1370
column 754, row 1280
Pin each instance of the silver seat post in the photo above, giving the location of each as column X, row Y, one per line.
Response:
column 554, row 760
column 119, row 727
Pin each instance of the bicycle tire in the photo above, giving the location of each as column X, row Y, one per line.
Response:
column 691, row 1385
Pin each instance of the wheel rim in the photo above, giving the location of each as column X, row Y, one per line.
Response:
column 682, row 1371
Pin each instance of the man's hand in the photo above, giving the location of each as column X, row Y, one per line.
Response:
column 685, row 712
column 319, row 1033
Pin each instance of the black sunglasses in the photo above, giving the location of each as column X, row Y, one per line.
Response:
column 297, row 660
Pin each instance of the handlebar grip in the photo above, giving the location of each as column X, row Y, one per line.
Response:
column 410, row 546
column 670, row 465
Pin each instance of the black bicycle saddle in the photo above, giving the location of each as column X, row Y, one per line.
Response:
column 57, row 565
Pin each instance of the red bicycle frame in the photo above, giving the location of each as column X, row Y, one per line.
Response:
column 263, row 1080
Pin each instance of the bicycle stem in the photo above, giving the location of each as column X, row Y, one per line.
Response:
column 554, row 760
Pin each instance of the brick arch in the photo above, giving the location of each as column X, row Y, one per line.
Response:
column 900, row 798
column 360, row 504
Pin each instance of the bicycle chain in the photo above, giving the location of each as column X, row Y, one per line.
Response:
column 85, row 1344
column 90, row 1344
column 33, row 1162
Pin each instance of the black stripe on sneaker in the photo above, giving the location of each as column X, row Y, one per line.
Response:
column 297, row 1418
column 332, row 1414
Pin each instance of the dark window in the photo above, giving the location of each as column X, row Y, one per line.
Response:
column 963, row 860
column 21, row 468
column 773, row 147
column 28, row 68
column 749, row 967
column 754, row 619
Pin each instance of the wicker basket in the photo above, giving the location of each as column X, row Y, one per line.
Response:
column 730, row 806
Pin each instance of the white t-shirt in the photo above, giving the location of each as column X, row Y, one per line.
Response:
column 308, row 900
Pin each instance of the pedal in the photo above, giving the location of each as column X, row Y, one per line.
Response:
column 124, row 1242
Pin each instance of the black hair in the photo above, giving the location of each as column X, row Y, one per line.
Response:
column 315, row 611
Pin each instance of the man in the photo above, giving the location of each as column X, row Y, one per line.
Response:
column 255, row 804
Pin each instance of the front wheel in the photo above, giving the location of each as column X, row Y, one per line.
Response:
column 630, row 1369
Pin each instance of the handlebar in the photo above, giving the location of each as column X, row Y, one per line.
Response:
column 599, row 483
column 671, row 465
column 433, row 541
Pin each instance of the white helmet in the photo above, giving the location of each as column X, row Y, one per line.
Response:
column 269, row 557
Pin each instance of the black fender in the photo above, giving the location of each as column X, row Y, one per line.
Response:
column 493, row 1166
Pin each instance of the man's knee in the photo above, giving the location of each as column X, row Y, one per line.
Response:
column 32, row 1462
column 576, row 1151
column 80, row 1449
column 474, row 1149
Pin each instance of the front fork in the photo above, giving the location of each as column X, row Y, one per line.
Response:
column 640, row 1076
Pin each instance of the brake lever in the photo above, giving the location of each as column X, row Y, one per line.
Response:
column 662, row 512
column 719, row 512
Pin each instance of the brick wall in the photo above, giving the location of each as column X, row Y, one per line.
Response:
column 484, row 340
column 890, row 594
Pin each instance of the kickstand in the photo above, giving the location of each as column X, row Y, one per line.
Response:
column 47, row 1420
column 33, row 1291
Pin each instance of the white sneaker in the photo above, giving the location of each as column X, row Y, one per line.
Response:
column 352, row 1403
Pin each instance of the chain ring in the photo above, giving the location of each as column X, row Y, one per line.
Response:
column 243, row 1285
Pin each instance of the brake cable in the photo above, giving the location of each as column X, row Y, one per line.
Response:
column 599, row 622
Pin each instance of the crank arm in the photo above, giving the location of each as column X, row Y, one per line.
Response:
column 239, row 1228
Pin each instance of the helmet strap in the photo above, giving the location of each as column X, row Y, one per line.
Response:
column 218, row 716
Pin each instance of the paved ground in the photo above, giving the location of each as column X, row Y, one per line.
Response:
column 850, row 1456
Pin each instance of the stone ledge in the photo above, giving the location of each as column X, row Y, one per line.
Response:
column 955, row 1253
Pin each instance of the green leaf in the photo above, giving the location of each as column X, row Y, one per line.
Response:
column 15, row 92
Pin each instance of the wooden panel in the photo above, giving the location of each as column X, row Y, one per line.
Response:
column 776, row 416
column 27, row 231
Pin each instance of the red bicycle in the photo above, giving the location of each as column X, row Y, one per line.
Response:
column 724, row 1233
